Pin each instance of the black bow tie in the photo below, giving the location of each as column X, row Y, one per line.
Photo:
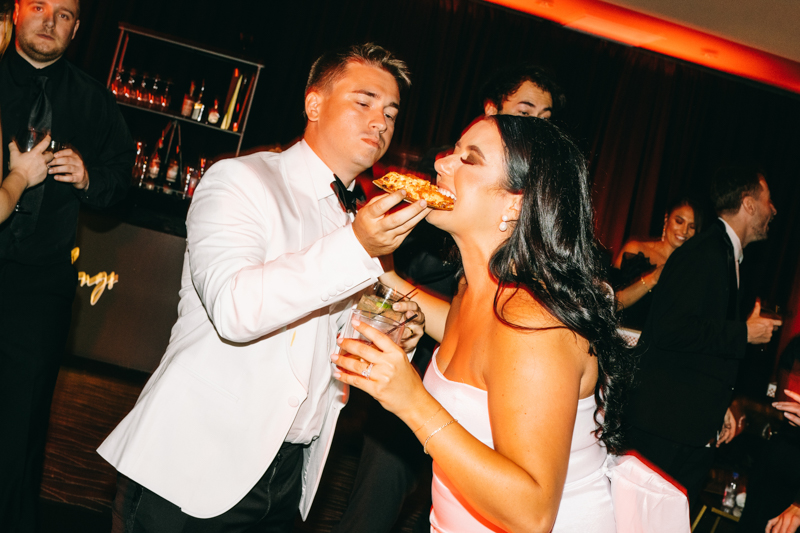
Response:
column 347, row 199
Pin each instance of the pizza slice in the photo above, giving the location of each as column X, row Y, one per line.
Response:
column 417, row 189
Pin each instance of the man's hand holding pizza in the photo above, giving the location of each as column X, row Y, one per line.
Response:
column 380, row 232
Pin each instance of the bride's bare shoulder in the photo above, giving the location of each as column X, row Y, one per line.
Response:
column 525, row 327
column 518, row 308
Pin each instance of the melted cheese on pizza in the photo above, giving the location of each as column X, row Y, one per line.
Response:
column 416, row 189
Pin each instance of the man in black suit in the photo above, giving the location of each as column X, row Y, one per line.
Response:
column 694, row 337
column 40, row 90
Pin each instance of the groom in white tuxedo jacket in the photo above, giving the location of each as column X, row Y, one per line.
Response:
column 234, row 426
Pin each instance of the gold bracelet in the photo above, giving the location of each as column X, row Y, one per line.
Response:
column 435, row 431
column 428, row 420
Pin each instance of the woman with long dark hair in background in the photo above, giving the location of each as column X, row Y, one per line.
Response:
column 522, row 400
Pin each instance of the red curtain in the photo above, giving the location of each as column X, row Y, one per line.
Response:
column 651, row 126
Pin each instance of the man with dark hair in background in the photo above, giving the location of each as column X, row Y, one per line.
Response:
column 42, row 91
column 695, row 336
column 233, row 429
column 523, row 90
column 392, row 463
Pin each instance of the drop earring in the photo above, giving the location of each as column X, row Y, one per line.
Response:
column 503, row 225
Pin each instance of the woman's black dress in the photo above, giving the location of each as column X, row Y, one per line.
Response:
column 631, row 270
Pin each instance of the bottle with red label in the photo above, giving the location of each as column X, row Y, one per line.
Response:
column 188, row 102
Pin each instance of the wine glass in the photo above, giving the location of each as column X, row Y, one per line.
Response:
column 26, row 140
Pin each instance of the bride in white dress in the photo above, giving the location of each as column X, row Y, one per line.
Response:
column 509, row 405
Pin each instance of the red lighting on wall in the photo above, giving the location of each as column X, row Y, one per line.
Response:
column 651, row 33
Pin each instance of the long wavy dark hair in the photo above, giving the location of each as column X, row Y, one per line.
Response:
column 552, row 253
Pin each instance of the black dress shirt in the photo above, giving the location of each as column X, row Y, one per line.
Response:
column 87, row 119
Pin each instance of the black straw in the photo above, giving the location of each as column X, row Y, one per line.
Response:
column 403, row 323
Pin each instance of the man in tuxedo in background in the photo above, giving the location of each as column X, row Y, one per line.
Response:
column 233, row 429
column 695, row 337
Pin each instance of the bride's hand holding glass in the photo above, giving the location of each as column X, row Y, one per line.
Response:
column 380, row 369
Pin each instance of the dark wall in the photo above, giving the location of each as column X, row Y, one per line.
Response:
column 653, row 127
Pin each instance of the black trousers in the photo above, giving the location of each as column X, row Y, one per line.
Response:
column 392, row 466
column 35, row 311
column 688, row 465
column 269, row 507
column 773, row 484
column 383, row 481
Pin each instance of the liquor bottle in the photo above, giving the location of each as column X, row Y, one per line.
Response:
column 139, row 165
column 235, row 125
column 166, row 97
column 172, row 184
column 193, row 176
column 173, row 160
column 230, row 103
column 199, row 106
column 244, row 96
column 213, row 114
column 129, row 90
column 188, row 102
column 153, row 167
column 117, row 84
column 154, row 163
column 154, row 96
column 729, row 498
column 142, row 95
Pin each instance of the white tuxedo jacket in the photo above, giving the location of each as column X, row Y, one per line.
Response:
column 258, row 280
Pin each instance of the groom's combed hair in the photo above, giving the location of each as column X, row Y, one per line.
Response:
column 552, row 253
column 331, row 65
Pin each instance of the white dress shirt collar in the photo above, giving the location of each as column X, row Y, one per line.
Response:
column 738, row 251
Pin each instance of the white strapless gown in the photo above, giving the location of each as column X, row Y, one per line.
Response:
column 586, row 502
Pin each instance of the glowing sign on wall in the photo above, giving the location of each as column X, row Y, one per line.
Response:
column 101, row 281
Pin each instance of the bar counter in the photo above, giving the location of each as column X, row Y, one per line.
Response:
column 129, row 264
